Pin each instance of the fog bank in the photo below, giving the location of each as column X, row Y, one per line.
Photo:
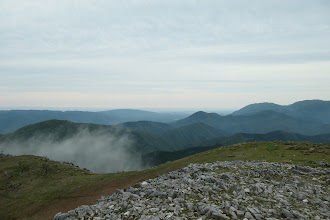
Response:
column 97, row 151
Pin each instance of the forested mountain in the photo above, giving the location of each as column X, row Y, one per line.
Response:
column 271, row 136
column 310, row 117
column 80, row 142
column 56, row 132
column 191, row 135
column 260, row 122
column 311, row 110
column 147, row 126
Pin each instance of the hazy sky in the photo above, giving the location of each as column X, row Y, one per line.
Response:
column 163, row 54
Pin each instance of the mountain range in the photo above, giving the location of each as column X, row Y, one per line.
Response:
column 15, row 119
column 309, row 117
column 308, row 110
column 259, row 122
column 150, row 139
column 155, row 149
column 124, row 140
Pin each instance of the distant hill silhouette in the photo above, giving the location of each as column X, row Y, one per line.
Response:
column 310, row 110
column 14, row 119
column 260, row 122
column 57, row 130
column 309, row 117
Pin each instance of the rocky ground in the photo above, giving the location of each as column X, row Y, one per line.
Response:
column 220, row 190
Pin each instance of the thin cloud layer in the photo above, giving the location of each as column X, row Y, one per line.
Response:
column 157, row 48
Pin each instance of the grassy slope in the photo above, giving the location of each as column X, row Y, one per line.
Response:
column 39, row 188
column 157, row 158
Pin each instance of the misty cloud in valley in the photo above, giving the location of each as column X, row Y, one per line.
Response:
column 97, row 151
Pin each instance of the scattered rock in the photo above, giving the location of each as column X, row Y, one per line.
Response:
column 60, row 216
column 286, row 213
column 324, row 163
column 249, row 190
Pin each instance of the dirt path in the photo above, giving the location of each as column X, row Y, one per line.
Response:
column 85, row 198
column 106, row 188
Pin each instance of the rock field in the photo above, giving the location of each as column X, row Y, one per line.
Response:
column 220, row 190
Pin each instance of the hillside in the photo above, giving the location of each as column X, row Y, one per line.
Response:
column 310, row 110
column 255, row 108
column 261, row 122
column 126, row 149
column 14, row 119
column 271, row 136
column 56, row 130
column 81, row 143
column 147, row 126
column 40, row 188
column 191, row 135
column 61, row 130
column 158, row 157
column 211, row 119
column 219, row 190
column 100, row 148
column 176, row 139
column 169, row 139
column 59, row 138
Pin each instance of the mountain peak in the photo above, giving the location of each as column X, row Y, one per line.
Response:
column 307, row 110
column 199, row 116
column 202, row 114
column 256, row 107
column 199, row 113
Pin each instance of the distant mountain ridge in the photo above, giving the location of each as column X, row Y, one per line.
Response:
column 260, row 122
column 14, row 119
column 309, row 110
column 310, row 117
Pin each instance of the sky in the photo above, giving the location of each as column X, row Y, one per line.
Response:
column 152, row 54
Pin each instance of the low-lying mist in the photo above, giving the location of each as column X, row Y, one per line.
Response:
column 98, row 152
